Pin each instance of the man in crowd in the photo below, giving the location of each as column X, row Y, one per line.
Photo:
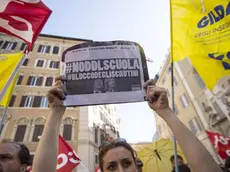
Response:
column 14, row 157
column 181, row 165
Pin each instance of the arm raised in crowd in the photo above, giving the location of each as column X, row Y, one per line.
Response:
column 196, row 154
column 45, row 159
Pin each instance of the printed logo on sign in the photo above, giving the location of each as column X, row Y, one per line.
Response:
column 3, row 58
column 224, row 58
column 214, row 16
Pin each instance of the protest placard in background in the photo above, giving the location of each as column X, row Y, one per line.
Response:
column 104, row 73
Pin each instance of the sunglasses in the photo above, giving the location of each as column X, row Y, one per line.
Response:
column 106, row 143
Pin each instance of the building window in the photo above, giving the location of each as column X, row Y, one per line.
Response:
column 102, row 138
column 37, row 101
column 67, row 129
column 20, row 133
column 12, row 101
column 35, row 80
column 40, row 63
column 200, row 82
column 44, row 49
column 19, row 80
column 49, row 81
column 23, row 47
column 163, row 81
column 1, row 43
column 96, row 135
column 9, row 45
column 21, row 129
column 27, row 101
column 195, row 126
column 184, row 100
column 55, row 50
column 25, row 62
column 175, row 81
column 38, row 129
column 44, row 102
column 54, row 64
column 169, row 70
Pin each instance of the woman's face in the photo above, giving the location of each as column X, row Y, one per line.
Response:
column 119, row 159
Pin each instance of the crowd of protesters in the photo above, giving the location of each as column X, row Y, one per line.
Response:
column 114, row 156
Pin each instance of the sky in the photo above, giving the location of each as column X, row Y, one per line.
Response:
column 142, row 21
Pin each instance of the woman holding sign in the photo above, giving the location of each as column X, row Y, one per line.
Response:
column 118, row 156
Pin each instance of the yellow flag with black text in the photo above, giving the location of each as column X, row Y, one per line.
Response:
column 8, row 64
column 201, row 31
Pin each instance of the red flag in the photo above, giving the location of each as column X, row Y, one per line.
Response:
column 98, row 169
column 221, row 143
column 67, row 158
column 23, row 18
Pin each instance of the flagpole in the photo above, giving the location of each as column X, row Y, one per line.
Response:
column 14, row 73
column 6, row 87
column 172, row 84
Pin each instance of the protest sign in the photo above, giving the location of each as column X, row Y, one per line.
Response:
column 104, row 73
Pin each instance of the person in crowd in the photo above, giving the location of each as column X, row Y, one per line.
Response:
column 14, row 157
column 117, row 155
column 182, row 166
column 139, row 165
column 227, row 165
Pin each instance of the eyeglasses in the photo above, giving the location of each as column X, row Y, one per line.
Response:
column 106, row 143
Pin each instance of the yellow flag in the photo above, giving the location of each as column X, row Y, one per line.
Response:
column 8, row 63
column 201, row 31
column 6, row 99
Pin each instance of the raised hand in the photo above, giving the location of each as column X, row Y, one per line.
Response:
column 156, row 97
column 57, row 94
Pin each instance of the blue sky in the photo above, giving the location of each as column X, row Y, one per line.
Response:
column 142, row 21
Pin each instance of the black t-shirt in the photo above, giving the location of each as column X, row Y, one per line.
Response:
column 182, row 168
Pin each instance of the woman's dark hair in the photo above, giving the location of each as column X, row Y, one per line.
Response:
column 178, row 157
column 23, row 154
column 227, row 164
column 114, row 144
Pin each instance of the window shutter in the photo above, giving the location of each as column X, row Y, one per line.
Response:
column 39, row 48
column 48, row 49
column 37, row 132
column 29, row 80
column 51, row 64
column 20, row 133
column 23, row 46
column 67, row 132
column 5, row 45
column 37, row 101
column 39, row 81
column 12, row 101
column 25, row 62
column 14, row 46
column 1, row 42
column 23, row 100
column 20, row 77
column 57, row 65
column 49, row 81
